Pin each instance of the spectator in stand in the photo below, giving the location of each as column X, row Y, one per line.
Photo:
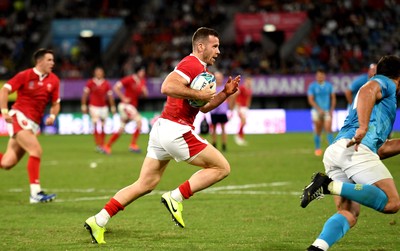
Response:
column 351, row 92
column 322, row 100
column 135, row 86
column 243, row 101
column 35, row 87
column 98, row 91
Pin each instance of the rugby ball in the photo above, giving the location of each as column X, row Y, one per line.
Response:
column 198, row 83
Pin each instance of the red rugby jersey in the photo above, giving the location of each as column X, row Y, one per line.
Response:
column 34, row 92
column 98, row 89
column 179, row 110
column 133, row 88
column 243, row 96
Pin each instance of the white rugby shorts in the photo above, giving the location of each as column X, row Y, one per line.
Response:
column 171, row 140
column 315, row 116
column 21, row 122
column 128, row 112
column 98, row 112
column 346, row 165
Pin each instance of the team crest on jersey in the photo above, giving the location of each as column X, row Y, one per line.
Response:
column 31, row 84
column 48, row 87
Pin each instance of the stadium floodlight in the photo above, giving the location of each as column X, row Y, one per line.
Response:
column 86, row 33
column 269, row 28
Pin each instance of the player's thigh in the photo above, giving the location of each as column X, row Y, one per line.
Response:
column 27, row 140
column 13, row 154
column 210, row 157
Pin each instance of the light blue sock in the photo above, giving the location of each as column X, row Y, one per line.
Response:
column 334, row 229
column 329, row 136
column 317, row 141
column 367, row 195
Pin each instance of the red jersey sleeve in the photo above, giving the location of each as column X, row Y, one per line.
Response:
column 17, row 81
column 190, row 67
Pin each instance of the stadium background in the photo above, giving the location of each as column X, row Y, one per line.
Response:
column 343, row 37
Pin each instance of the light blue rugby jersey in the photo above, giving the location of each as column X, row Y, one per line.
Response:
column 357, row 83
column 382, row 117
column 322, row 94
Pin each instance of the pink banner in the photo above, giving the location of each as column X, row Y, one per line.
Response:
column 250, row 25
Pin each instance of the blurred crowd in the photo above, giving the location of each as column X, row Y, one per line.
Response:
column 346, row 36
column 20, row 26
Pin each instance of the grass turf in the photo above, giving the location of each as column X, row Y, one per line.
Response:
column 255, row 208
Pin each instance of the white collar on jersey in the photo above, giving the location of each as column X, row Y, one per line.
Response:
column 203, row 63
column 37, row 72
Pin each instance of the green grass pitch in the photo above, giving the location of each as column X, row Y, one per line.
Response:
column 255, row 208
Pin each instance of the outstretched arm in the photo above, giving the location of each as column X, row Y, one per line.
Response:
column 230, row 88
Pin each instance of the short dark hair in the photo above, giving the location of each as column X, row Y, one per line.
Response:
column 203, row 33
column 389, row 66
column 40, row 54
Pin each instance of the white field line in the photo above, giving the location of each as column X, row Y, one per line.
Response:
column 231, row 189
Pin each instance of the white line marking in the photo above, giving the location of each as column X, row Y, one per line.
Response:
column 230, row 189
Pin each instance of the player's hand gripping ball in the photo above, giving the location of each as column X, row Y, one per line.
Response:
column 198, row 83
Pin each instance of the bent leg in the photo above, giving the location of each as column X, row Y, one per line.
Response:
column 393, row 201
column 338, row 224
column 215, row 168
column 390, row 148
column 13, row 154
column 150, row 176
column 29, row 142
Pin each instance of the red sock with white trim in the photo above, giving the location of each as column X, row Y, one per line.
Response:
column 241, row 134
column 96, row 137
column 135, row 136
column 110, row 209
column 112, row 139
column 33, row 168
column 184, row 190
column 102, row 137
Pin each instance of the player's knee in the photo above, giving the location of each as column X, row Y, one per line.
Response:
column 392, row 207
column 147, row 186
column 225, row 170
column 351, row 216
column 7, row 165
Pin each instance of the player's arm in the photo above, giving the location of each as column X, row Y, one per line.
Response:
column 248, row 101
column 366, row 99
column 349, row 96
column 176, row 86
column 333, row 102
column 84, row 99
column 54, row 110
column 312, row 103
column 118, row 91
column 231, row 87
column 111, row 101
column 145, row 91
column 4, row 92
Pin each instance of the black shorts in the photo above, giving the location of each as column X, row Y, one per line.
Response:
column 219, row 119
